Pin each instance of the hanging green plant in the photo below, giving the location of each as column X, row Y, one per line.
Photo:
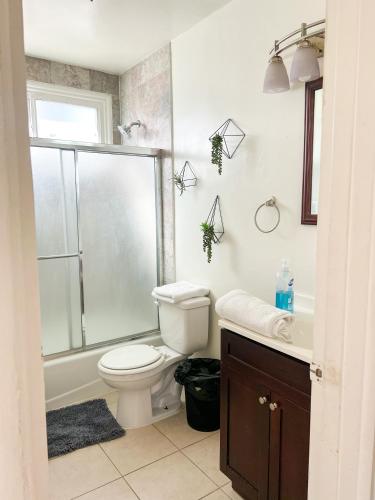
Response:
column 185, row 178
column 208, row 239
column 179, row 182
column 217, row 152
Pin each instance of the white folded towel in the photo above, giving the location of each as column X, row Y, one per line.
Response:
column 254, row 314
column 181, row 290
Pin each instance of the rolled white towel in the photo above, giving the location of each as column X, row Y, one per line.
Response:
column 181, row 290
column 255, row 314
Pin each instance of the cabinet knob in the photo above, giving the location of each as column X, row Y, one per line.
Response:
column 262, row 400
column 273, row 406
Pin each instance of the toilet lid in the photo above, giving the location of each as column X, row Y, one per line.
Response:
column 130, row 357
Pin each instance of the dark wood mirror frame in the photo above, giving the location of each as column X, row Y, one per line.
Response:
column 311, row 87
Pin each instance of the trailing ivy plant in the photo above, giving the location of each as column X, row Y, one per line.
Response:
column 179, row 183
column 208, row 239
column 217, row 152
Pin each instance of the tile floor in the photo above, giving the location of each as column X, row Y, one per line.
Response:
column 165, row 461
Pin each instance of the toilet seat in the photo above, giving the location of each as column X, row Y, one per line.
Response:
column 130, row 357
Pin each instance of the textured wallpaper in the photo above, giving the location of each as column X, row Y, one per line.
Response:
column 146, row 95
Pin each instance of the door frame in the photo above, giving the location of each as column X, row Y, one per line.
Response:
column 23, row 456
column 343, row 406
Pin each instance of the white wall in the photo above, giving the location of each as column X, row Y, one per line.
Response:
column 218, row 69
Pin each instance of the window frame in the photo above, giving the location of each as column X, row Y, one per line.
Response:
column 70, row 95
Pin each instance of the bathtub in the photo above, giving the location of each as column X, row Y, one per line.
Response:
column 74, row 378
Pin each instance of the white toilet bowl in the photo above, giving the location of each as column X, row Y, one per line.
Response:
column 144, row 376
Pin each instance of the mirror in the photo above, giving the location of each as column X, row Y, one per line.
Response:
column 311, row 160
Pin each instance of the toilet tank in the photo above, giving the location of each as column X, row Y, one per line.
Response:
column 184, row 325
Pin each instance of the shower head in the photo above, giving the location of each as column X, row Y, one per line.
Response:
column 126, row 130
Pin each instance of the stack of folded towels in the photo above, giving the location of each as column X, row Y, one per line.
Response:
column 252, row 313
column 181, row 290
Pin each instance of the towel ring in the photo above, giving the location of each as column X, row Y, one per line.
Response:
column 269, row 203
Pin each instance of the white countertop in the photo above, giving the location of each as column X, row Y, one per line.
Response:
column 300, row 348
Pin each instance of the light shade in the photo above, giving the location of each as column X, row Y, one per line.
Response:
column 305, row 66
column 276, row 77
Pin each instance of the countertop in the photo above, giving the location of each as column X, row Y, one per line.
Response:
column 300, row 348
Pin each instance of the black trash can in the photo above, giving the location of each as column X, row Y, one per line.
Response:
column 201, row 379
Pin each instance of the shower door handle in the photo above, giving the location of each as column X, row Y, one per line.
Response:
column 59, row 256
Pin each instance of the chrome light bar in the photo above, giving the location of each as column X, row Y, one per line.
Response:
column 305, row 32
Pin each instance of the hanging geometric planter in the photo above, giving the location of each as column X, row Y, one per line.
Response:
column 185, row 178
column 213, row 228
column 225, row 140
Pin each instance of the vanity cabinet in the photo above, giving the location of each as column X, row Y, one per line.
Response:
column 265, row 420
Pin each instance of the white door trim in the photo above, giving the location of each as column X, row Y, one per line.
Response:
column 23, row 451
column 343, row 404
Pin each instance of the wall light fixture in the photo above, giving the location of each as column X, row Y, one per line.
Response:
column 305, row 66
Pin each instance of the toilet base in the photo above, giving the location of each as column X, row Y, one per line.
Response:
column 138, row 408
column 162, row 413
column 134, row 409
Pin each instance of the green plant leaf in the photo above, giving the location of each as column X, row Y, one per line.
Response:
column 179, row 183
column 208, row 239
column 217, row 152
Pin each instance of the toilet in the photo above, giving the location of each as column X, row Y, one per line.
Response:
column 144, row 374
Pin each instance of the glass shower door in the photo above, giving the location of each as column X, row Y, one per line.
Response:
column 58, row 250
column 96, row 225
column 118, row 238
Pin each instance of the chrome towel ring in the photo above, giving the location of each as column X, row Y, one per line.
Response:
column 269, row 203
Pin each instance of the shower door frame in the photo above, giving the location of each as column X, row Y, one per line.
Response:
column 76, row 148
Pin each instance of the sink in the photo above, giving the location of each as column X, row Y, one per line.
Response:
column 302, row 332
column 301, row 346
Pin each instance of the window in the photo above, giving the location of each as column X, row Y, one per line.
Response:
column 70, row 114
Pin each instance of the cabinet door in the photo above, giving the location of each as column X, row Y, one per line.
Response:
column 244, row 433
column 289, row 450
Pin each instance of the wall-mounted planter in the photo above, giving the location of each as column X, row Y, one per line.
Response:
column 185, row 178
column 213, row 228
column 225, row 141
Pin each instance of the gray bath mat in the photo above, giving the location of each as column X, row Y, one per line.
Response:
column 81, row 425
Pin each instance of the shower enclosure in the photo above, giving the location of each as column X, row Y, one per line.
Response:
column 98, row 225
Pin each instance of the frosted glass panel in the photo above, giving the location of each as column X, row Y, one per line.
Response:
column 118, row 226
column 60, row 120
column 60, row 304
column 55, row 201
column 118, row 239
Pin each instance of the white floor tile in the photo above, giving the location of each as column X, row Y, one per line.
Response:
column 178, row 431
column 139, row 447
column 172, row 478
column 79, row 472
column 118, row 490
column 206, row 455
column 216, row 495
column 228, row 490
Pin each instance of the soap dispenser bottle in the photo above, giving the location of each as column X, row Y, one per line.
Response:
column 284, row 288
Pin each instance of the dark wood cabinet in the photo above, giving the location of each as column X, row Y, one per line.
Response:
column 265, row 420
